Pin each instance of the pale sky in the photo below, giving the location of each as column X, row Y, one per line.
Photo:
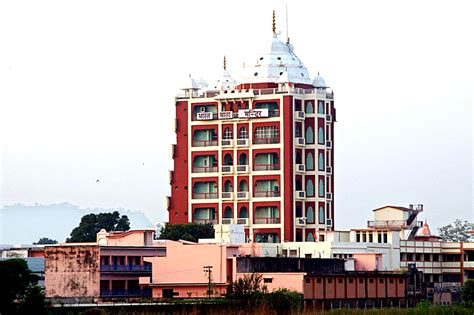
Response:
column 87, row 87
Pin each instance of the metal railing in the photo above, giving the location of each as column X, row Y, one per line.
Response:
column 387, row 224
column 125, row 268
column 266, row 140
column 205, row 195
column 266, row 193
column 266, row 167
column 242, row 195
column 204, row 169
column 204, row 143
column 210, row 94
column 205, row 221
column 266, row 220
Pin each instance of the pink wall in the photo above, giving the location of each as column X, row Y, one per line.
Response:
column 290, row 281
column 184, row 263
column 130, row 238
column 367, row 262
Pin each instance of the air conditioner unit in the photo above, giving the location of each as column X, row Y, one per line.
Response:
column 328, row 118
column 300, row 167
column 299, row 115
column 301, row 221
column 300, row 194
column 300, row 141
column 329, row 222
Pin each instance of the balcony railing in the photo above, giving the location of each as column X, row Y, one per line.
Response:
column 227, row 221
column 244, row 221
column 146, row 292
column 242, row 142
column 267, row 220
column 227, row 195
column 387, row 224
column 266, row 140
column 226, row 169
column 205, row 221
column 266, row 193
column 204, row 195
column 226, row 143
column 204, row 143
column 266, row 167
column 204, row 169
column 242, row 195
column 125, row 268
column 242, row 168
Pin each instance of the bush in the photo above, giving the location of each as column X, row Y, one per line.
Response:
column 284, row 300
column 467, row 291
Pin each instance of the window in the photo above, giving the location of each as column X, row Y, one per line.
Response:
column 309, row 135
column 361, row 280
column 364, row 237
column 358, row 237
column 351, row 280
column 371, row 237
column 307, row 280
column 243, row 212
column 321, row 215
column 371, row 280
column 243, row 133
column 321, row 188
column 385, row 237
column 310, row 215
column 310, row 188
column 379, row 237
column 339, row 280
column 318, row 280
column 228, row 213
column 309, row 161
column 321, row 238
column 321, row 162
column 263, row 134
column 267, row 280
column 321, row 135
column 309, row 108
column 227, row 133
column 320, row 107
column 310, row 237
column 228, row 186
column 380, row 281
column 391, row 281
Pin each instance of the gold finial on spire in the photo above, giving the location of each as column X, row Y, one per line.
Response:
column 225, row 63
column 273, row 23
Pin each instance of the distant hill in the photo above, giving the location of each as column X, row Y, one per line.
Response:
column 22, row 224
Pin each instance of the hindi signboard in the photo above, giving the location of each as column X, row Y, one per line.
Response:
column 253, row 113
column 225, row 115
column 204, row 116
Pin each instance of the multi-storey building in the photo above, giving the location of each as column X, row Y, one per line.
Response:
column 258, row 152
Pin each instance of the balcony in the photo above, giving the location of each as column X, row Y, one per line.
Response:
column 204, row 143
column 125, row 267
column 299, row 115
column 227, row 221
column 242, row 169
column 227, row 195
column 266, row 193
column 300, row 168
column 242, row 142
column 204, row 195
column 300, row 194
column 145, row 292
column 266, row 167
column 266, row 220
column 204, row 169
column 242, row 195
column 244, row 221
column 205, row 221
column 299, row 141
column 266, row 140
column 387, row 224
column 227, row 169
column 227, row 143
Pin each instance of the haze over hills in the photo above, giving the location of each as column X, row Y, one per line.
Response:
column 25, row 224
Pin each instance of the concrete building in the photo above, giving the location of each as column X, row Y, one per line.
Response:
column 257, row 152
column 108, row 268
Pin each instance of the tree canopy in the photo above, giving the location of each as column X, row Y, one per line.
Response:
column 16, row 284
column 467, row 291
column 188, row 232
column 45, row 240
column 92, row 223
column 456, row 232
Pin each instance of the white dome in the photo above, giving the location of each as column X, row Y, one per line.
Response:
column 319, row 82
column 270, row 66
column 284, row 78
column 202, row 84
column 224, row 82
column 189, row 84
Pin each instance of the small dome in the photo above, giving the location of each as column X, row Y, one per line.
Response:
column 224, row 82
column 189, row 84
column 319, row 82
column 202, row 84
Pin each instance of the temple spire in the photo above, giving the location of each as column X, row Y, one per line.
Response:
column 225, row 63
column 274, row 24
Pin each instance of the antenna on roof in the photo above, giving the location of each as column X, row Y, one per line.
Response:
column 287, row 36
column 274, row 24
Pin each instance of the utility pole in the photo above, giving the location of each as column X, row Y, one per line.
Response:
column 208, row 270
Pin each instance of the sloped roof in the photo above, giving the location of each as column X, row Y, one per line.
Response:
column 395, row 207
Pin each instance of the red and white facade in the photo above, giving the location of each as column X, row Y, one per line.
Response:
column 258, row 152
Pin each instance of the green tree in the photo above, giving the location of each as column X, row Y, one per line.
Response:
column 45, row 240
column 92, row 223
column 16, row 280
column 467, row 291
column 456, row 232
column 189, row 232
column 248, row 287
